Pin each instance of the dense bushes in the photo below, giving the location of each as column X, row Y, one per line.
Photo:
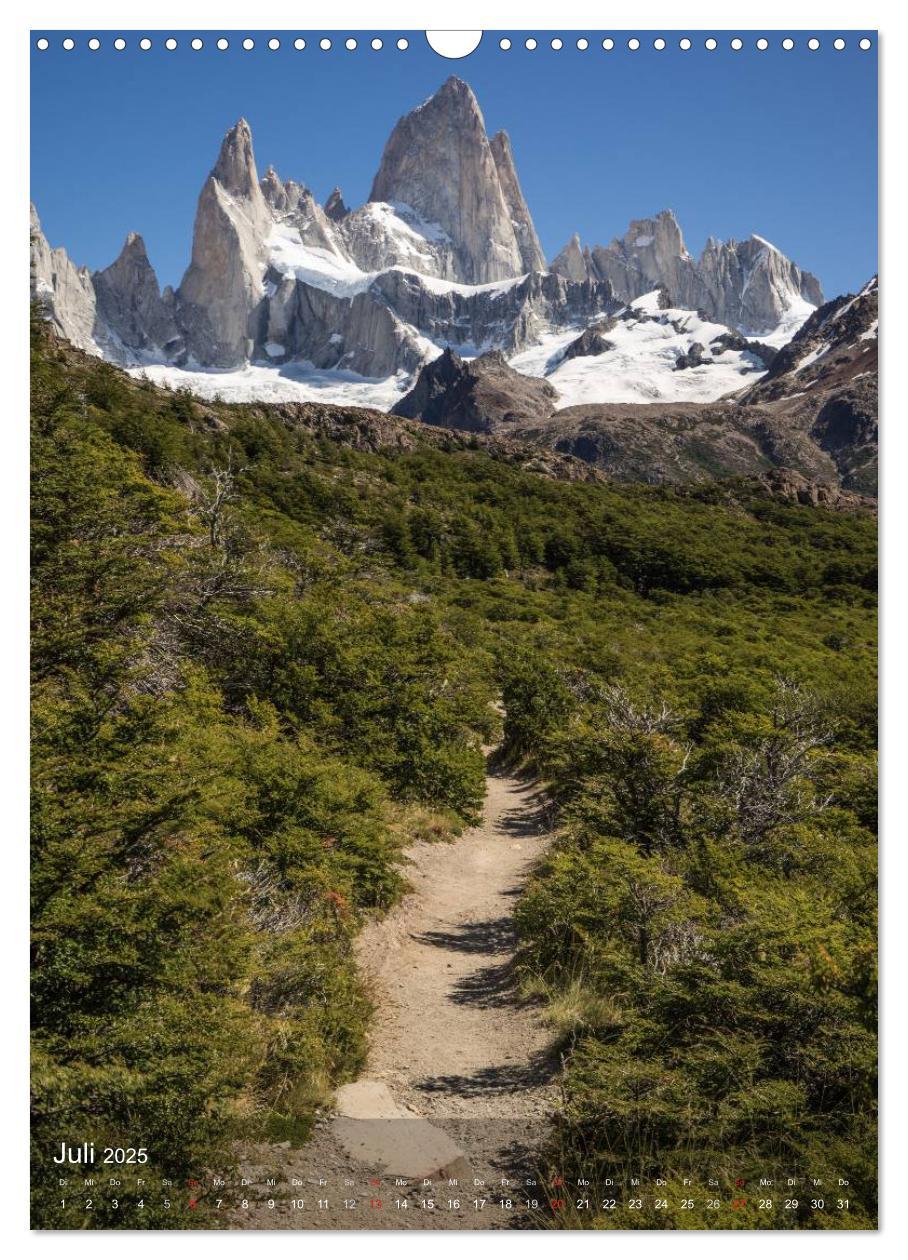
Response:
column 710, row 913
column 255, row 651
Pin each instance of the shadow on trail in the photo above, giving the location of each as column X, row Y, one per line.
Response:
column 500, row 1078
column 483, row 936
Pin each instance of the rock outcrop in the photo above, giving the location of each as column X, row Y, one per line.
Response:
column 335, row 208
column 591, row 342
column 479, row 396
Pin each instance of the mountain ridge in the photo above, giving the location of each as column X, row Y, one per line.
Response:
column 444, row 253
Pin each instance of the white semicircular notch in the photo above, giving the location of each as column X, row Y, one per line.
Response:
column 453, row 44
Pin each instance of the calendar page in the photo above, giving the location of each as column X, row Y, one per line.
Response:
column 454, row 557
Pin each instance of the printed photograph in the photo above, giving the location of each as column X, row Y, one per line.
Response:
column 454, row 586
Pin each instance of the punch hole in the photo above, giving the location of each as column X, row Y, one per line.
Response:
column 684, row 44
column 504, row 44
column 453, row 44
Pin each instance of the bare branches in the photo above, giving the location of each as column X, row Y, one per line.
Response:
column 213, row 503
column 625, row 715
column 273, row 909
column 767, row 780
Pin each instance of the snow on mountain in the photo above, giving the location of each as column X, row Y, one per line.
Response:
column 641, row 363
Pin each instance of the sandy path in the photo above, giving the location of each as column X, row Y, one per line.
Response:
column 451, row 1039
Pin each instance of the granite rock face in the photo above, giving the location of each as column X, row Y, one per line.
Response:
column 438, row 161
column 224, row 282
column 531, row 255
column 748, row 285
column 63, row 290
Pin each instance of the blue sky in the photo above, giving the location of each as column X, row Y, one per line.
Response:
column 783, row 143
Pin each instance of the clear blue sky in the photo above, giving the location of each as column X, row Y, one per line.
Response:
column 783, row 143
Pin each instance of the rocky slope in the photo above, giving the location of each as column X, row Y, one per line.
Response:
column 444, row 253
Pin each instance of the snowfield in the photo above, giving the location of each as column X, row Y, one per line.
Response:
column 641, row 366
column 293, row 382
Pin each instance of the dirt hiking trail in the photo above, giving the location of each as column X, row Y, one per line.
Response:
column 451, row 1039
column 461, row 1072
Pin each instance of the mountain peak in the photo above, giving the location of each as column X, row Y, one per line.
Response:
column 456, row 87
column 531, row 253
column 439, row 162
column 335, row 207
column 134, row 245
column 235, row 168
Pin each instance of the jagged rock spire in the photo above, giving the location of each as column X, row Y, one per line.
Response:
column 335, row 207
column 225, row 279
column 129, row 299
column 235, row 168
column 571, row 262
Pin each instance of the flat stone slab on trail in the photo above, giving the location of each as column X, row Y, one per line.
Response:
column 373, row 1129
